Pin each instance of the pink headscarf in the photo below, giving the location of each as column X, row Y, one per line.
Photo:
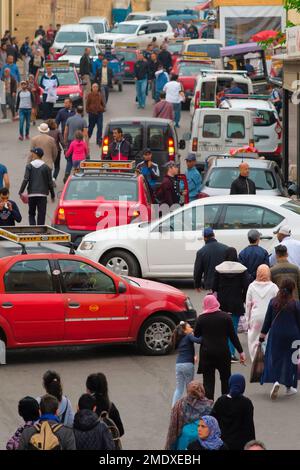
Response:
column 210, row 304
column 263, row 273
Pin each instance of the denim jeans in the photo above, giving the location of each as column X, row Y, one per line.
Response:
column 184, row 375
column 177, row 113
column 25, row 115
column 96, row 119
column 235, row 321
column 141, row 88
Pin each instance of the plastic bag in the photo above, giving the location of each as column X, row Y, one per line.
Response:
column 257, row 368
column 51, row 95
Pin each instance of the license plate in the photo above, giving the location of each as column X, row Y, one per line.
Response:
column 58, row 105
column 209, row 148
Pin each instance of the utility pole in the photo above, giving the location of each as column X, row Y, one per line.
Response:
column 53, row 8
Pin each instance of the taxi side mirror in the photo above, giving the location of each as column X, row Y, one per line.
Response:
column 182, row 144
column 122, row 288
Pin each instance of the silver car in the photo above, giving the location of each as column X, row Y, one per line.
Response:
column 222, row 171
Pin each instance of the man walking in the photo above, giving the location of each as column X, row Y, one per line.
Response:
column 207, row 258
column 49, row 83
column 283, row 269
column 10, row 91
column 165, row 58
column 253, row 255
column 284, row 237
column 46, row 143
column 26, row 53
column 141, row 74
column 85, row 71
column 243, row 184
column 38, row 181
column 14, row 69
column 193, row 177
column 73, row 124
column 64, row 114
column 148, row 168
column 120, row 148
column 95, row 108
column 104, row 77
column 175, row 96
column 25, row 103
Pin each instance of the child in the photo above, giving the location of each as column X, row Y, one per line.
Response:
column 29, row 410
column 183, row 340
column 78, row 149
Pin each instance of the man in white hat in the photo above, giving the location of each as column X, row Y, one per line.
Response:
column 284, row 236
column 46, row 143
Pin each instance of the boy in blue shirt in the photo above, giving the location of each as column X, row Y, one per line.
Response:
column 193, row 177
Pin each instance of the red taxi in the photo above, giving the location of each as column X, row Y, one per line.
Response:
column 97, row 198
column 175, row 47
column 129, row 53
column 188, row 67
column 62, row 299
column 69, row 84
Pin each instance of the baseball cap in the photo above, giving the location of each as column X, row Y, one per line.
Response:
column 147, row 150
column 284, row 230
column 171, row 164
column 38, row 151
column 254, row 234
column 191, row 157
column 208, row 232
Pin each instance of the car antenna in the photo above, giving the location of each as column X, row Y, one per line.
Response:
column 24, row 252
column 72, row 249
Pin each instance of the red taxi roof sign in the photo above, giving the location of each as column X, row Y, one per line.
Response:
column 107, row 165
column 57, row 64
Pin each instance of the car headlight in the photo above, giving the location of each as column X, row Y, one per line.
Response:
column 189, row 304
column 87, row 245
column 74, row 96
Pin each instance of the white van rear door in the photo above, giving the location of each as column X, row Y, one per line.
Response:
column 238, row 129
column 211, row 131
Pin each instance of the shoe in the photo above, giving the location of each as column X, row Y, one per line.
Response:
column 21, row 137
column 234, row 359
column 274, row 391
column 291, row 391
column 27, row 137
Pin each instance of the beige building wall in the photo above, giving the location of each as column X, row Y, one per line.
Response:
column 6, row 15
column 29, row 14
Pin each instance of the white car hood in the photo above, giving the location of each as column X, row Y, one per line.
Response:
column 113, row 37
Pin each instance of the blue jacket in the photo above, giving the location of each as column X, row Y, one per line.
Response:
column 14, row 71
column 160, row 80
column 252, row 257
column 194, row 182
column 186, row 349
column 97, row 64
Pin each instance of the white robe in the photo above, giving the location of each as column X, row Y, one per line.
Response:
column 258, row 297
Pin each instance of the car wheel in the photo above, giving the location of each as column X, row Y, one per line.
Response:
column 121, row 263
column 155, row 336
column 120, row 86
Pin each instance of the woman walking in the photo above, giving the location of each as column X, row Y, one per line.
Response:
column 234, row 413
column 24, row 105
column 209, row 436
column 35, row 90
column 230, row 283
column 259, row 294
column 282, row 324
column 184, row 413
column 184, row 340
column 215, row 327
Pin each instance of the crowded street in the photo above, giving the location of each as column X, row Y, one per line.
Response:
column 150, row 228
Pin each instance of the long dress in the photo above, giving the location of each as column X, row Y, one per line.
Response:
column 280, row 357
column 258, row 297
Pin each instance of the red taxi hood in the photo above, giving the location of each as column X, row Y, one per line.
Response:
column 68, row 89
column 160, row 287
column 188, row 83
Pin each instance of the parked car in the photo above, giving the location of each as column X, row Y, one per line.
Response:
column 99, row 24
column 128, row 54
column 146, row 132
column 209, row 48
column 267, row 126
column 223, row 170
column 144, row 15
column 73, row 34
column 166, row 248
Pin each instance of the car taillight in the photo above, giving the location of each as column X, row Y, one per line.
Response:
column 61, row 219
column 171, row 149
column 201, row 195
column 278, row 129
column 195, row 144
column 105, row 146
column 278, row 150
column 197, row 99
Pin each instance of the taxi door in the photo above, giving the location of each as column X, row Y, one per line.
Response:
column 94, row 310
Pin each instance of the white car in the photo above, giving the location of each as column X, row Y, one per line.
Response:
column 99, row 24
column 139, row 32
column 76, row 51
column 145, row 15
column 267, row 128
column 73, row 34
column 166, row 248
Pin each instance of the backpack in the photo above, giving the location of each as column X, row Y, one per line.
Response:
column 45, row 438
column 113, row 429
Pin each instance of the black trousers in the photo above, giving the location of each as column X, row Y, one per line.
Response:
column 57, row 165
column 223, row 366
column 37, row 204
column 47, row 108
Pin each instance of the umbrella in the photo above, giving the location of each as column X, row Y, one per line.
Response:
column 244, row 149
column 264, row 35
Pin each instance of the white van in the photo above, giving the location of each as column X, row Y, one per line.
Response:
column 99, row 24
column 145, row 15
column 211, row 82
column 73, row 34
column 216, row 131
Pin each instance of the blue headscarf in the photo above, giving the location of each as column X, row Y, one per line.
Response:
column 237, row 385
column 213, row 441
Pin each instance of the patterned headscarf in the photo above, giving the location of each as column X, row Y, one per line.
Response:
column 196, row 390
column 213, row 441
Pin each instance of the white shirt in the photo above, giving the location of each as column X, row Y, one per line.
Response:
column 293, row 248
column 172, row 90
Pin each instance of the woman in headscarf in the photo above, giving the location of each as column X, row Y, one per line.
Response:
column 231, row 283
column 234, row 413
column 259, row 294
column 209, row 436
column 282, row 324
column 187, row 411
column 35, row 90
column 216, row 328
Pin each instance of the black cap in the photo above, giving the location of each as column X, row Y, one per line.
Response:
column 147, row 150
column 38, row 151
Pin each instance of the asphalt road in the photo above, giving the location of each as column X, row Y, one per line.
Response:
column 141, row 387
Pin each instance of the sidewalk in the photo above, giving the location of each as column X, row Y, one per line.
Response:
column 5, row 121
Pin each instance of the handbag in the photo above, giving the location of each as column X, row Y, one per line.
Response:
column 258, row 365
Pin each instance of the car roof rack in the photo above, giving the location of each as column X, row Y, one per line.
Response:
column 106, row 166
column 22, row 235
column 242, row 155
